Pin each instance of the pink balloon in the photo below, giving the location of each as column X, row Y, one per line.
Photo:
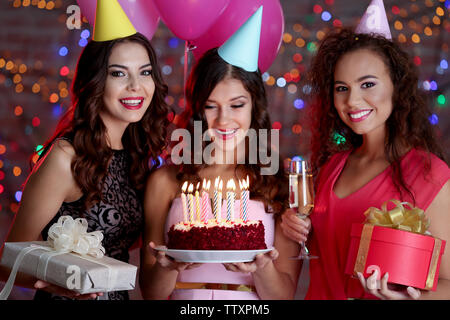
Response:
column 142, row 13
column 88, row 9
column 190, row 19
column 236, row 13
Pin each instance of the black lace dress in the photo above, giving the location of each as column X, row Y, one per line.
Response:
column 119, row 216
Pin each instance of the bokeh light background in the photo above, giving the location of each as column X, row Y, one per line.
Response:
column 38, row 55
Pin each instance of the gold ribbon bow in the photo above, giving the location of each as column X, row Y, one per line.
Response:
column 408, row 219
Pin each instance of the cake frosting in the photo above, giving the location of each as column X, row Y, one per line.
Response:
column 217, row 235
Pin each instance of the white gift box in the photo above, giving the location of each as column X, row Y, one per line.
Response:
column 83, row 274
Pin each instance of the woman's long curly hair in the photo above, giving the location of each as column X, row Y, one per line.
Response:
column 408, row 124
column 207, row 73
column 82, row 125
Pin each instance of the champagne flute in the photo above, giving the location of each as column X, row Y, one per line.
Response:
column 301, row 196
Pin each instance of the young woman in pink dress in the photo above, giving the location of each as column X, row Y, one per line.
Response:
column 365, row 91
column 228, row 101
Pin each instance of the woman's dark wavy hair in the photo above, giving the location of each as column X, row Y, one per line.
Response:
column 82, row 125
column 206, row 74
column 408, row 124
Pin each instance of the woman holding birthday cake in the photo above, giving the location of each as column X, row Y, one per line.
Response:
column 226, row 96
column 365, row 92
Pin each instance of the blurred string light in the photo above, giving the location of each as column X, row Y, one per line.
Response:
column 166, row 69
column 18, row 196
column 39, row 149
column 441, row 100
column 297, row 128
column 299, row 104
column 85, row 34
column 40, row 4
column 84, row 38
column 277, row 125
column 152, row 162
column 434, row 120
column 338, row 138
column 63, row 51
column 82, row 42
column 281, row 82
column 326, row 16
column 297, row 158
column 56, row 111
column 173, row 42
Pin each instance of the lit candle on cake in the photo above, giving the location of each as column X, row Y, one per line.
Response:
column 190, row 202
column 183, row 201
column 231, row 187
column 205, row 200
column 197, row 203
column 217, row 198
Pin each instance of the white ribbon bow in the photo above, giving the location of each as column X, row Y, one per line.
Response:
column 71, row 235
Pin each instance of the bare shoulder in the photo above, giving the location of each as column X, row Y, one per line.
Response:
column 49, row 185
column 59, row 157
column 65, row 147
column 161, row 188
column 54, row 169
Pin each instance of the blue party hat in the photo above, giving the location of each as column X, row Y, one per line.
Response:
column 242, row 48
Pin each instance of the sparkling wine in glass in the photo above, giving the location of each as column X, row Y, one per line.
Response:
column 301, row 196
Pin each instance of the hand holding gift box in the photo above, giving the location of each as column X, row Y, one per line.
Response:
column 396, row 241
column 71, row 258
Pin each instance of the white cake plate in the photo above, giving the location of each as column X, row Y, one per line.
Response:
column 212, row 256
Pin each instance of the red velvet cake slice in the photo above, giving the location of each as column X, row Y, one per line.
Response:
column 213, row 235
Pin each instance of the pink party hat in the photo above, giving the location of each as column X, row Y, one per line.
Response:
column 375, row 20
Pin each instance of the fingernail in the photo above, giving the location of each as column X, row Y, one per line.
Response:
column 413, row 292
column 386, row 275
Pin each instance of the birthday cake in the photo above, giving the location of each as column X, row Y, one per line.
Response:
column 217, row 235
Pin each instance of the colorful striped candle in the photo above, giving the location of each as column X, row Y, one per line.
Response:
column 205, row 200
column 218, row 198
column 190, row 203
column 231, row 196
column 241, row 207
column 197, row 203
column 245, row 195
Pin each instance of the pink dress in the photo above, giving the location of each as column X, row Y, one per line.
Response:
column 216, row 272
column 332, row 218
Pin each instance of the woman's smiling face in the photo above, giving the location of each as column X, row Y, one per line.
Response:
column 228, row 112
column 129, row 86
column 363, row 91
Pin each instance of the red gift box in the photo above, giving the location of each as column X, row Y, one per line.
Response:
column 411, row 259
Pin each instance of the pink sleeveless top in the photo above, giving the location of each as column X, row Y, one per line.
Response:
column 216, row 272
column 332, row 217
